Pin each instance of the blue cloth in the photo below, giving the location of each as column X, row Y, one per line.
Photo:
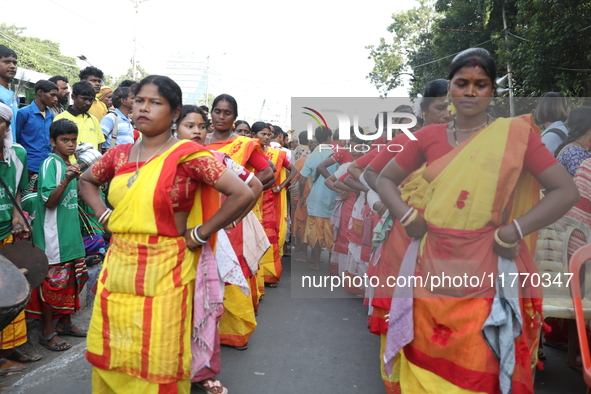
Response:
column 503, row 324
column 32, row 132
column 571, row 158
column 321, row 200
column 552, row 140
column 8, row 97
column 124, row 129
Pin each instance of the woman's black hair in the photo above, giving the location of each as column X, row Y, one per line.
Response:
column 188, row 109
column 167, row 88
column 474, row 57
column 258, row 126
column 228, row 98
column 551, row 107
column 239, row 122
column 83, row 88
column 62, row 127
column 579, row 123
column 434, row 89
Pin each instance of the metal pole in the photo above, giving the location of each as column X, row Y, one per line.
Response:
column 509, row 72
column 207, row 83
column 133, row 67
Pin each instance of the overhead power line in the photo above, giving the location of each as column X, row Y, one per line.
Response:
column 35, row 52
column 453, row 54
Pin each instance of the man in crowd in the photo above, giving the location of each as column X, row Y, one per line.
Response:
column 94, row 76
column 122, row 133
column 89, row 129
column 106, row 96
column 321, row 201
column 32, row 126
column 63, row 94
column 7, row 73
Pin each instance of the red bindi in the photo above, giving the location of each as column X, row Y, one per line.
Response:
column 474, row 62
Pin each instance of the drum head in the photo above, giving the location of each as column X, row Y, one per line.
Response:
column 14, row 292
column 24, row 254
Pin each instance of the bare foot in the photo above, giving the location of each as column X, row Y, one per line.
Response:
column 314, row 266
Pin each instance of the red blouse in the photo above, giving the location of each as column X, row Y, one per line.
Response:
column 432, row 144
column 205, row 169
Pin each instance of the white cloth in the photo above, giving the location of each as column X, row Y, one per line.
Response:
column 254, row 240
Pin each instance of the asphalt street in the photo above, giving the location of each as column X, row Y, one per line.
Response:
column 312, row 341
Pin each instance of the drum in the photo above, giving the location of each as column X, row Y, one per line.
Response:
column 24, row 254
column 14, row 292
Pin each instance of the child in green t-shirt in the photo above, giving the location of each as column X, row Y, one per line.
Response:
column 56, row 230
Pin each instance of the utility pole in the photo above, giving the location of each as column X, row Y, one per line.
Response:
column 206, row 98
column 509, row 72
column 263, row 107
column 133, row 60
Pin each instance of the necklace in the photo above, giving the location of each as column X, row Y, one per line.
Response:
column 467, row 130
column 134, row 177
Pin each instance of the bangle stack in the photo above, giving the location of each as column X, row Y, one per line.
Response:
column 105, row 216
column 196, row 238
column 504, row 244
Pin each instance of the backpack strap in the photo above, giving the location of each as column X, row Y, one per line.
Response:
column 115, row 130
column 556, row 131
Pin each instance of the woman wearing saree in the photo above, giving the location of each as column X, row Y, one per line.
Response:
column 238, row 321
column 476, row 216
column 272, row 205
column 140, row 331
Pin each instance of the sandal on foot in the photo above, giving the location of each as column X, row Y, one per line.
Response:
column 271, row 285
column 211, row 386
column 24, row 357
column 56, row 347
column 241, row 347
column 67, row 330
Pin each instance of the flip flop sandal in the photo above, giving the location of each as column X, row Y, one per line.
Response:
column 44, row 341
column 24, row 357
column 211, row 386
column 67, row 330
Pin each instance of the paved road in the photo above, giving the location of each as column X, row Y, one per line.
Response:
column 302, row 345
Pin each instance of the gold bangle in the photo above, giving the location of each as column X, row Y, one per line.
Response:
column 504, row 244
column 411, row 218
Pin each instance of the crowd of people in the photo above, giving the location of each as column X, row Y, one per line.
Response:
column 189, row 217
column 190, row 212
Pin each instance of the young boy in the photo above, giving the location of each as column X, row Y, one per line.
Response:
column 56, row 230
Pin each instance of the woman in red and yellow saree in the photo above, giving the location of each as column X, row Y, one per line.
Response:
column 273, row 203
column 482, row 196
column 238, row 321
column 140, row 331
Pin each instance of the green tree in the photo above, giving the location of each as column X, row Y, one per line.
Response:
column 546, row 43
column 412, row 31
column 39, row 55
column 140, row 74
column 208, row 102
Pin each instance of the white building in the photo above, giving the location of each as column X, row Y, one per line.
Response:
column 194, row 75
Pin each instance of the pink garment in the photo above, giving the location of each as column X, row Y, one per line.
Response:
column 208, row 306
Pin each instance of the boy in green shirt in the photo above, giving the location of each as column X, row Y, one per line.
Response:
column 56, row 230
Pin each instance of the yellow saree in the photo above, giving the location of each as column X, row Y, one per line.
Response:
column 474, row 189
column 141, row 323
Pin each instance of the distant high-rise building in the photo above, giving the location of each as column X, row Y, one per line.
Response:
column 195, row 77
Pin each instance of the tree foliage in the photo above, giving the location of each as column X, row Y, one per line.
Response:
column 37, row 54
column 546, row 43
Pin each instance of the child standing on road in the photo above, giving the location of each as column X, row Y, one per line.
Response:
column 56, row 230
